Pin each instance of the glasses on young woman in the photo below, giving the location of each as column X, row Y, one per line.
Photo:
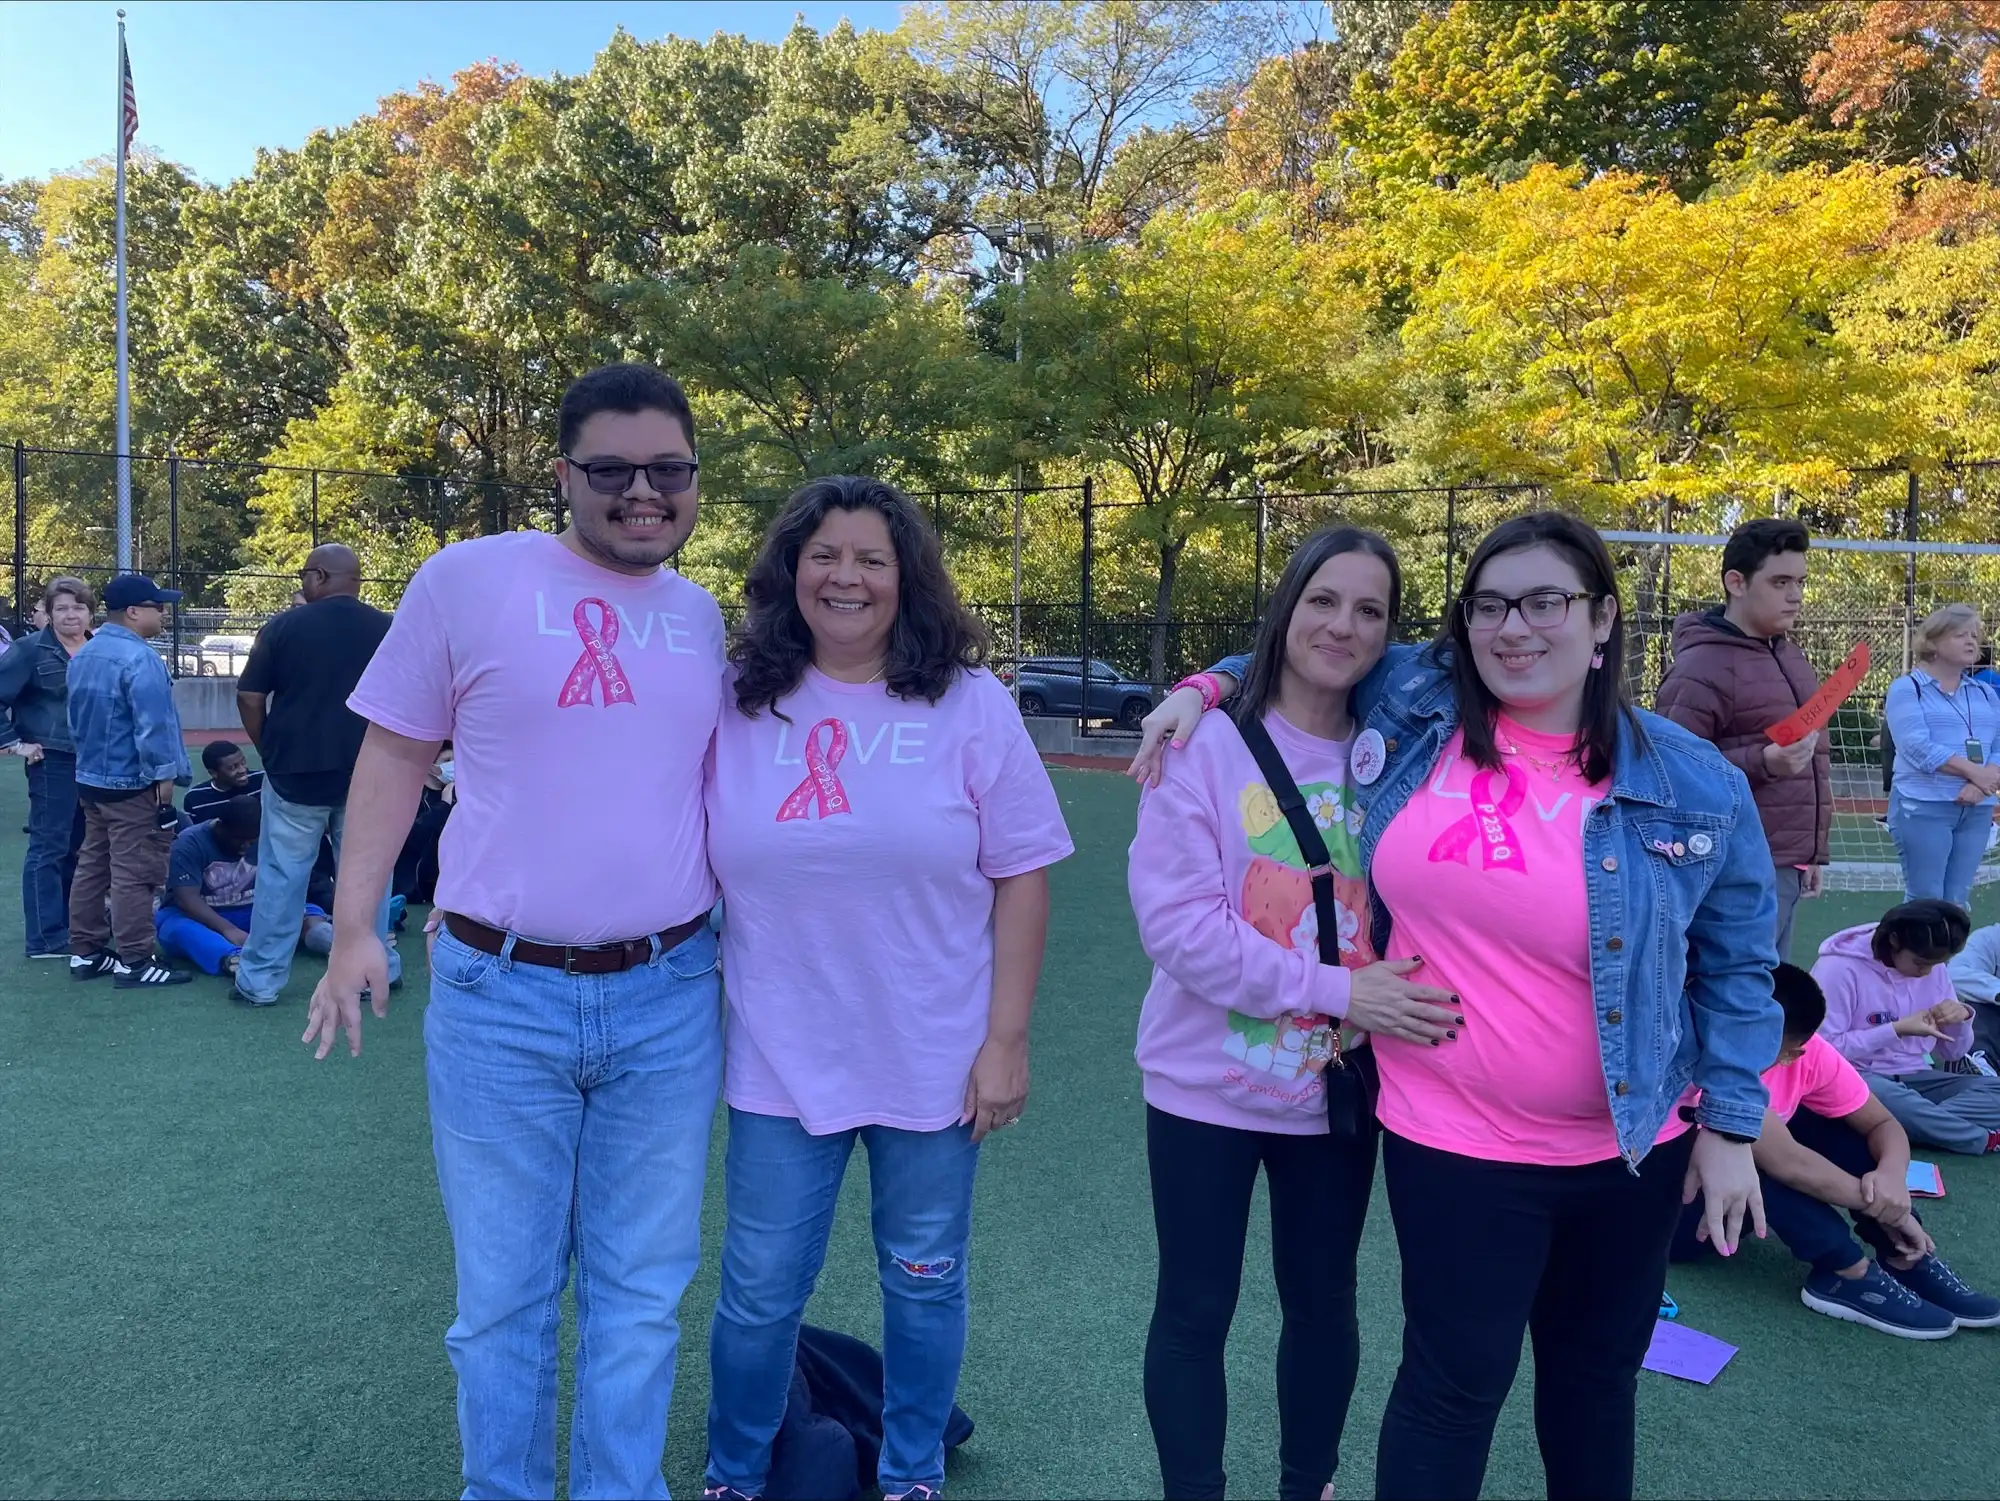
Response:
column 614, row 476
column 1542, row 609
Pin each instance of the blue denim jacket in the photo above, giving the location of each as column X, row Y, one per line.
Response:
column 122, row 715
column 1682, row 944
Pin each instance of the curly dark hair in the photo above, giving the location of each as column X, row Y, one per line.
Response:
column 933, row 640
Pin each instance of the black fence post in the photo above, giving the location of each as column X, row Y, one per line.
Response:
column 174, row 548
column 1450, row 546
column 315, row 507
column 1083, row 594
column 20, row 536
column 1911, row 528
column 1263, row 527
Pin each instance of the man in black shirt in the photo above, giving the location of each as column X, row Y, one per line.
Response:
column 229, row 776
column 293, row 699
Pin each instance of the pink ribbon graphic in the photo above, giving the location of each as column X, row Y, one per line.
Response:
column 598, row 664
column 821, row 785
column 1486, row 825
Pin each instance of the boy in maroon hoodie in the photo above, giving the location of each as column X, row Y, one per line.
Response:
column 1892, row 1012
column 1736, row 673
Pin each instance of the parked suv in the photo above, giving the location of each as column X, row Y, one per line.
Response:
column 1055, row 686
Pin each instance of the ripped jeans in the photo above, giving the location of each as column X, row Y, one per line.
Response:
column 783, row 1185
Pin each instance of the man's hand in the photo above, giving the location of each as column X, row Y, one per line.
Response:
column 1790, row 760
column 1884, row 1198
column 163, row 793
column 236, row 936
column 1812, row 880
column 358, row 962
column 1911, row 1240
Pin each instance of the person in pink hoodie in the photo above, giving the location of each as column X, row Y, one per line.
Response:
column 1243, row 1022
column 1891, row 1012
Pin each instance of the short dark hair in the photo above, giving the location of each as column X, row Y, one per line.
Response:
column 1267, row 657
column 1754, row 543
column 1801, row 999
column 1928, row 929
column 216, row 752
column 620, row 388
column 75, row 588
column 240, row 815
column 934, row 639
column 1607, row 712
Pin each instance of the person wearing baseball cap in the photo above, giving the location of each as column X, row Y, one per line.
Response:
column 130, row 754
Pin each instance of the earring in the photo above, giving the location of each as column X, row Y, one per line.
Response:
column 1597, row 659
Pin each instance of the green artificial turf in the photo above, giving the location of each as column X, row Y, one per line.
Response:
column 226, row 1271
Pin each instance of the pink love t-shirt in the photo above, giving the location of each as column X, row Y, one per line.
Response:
column 1483, row 875
column 857, row 842
column 580, row 704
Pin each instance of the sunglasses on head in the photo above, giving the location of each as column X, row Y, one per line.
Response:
column 614, row 476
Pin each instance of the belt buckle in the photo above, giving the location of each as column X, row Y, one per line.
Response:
column 570, row 951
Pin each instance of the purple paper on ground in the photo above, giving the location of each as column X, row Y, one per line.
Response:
column 1687, row 1353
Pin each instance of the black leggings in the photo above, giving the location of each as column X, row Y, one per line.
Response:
column 1577, row 1257
column 1202, row 1180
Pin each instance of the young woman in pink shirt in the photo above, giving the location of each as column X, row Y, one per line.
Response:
column 1242, row 1031
column 882, row 828
column 1593, row 881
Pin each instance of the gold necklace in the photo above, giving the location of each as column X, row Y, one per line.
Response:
column 1555, row 768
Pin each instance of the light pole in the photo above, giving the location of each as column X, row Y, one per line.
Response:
column 1014, row 246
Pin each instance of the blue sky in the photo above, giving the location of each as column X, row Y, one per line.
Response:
column 217, row 80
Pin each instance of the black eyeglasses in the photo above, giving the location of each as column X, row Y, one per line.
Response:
column 1542, row 609
column 614, row 476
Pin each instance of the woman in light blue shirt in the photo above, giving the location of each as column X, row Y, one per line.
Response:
column 1946, row 727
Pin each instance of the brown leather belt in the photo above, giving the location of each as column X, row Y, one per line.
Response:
column 575, row 958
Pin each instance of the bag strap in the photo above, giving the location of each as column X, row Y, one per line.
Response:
column 1292, row 803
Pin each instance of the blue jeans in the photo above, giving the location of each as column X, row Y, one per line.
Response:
column 1941, row 845
column 287, row 846
column 782, row 1187
column 208, row 950
column 570, row 1115
column 55, row 834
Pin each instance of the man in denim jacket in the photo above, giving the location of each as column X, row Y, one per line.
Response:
column 129, row 756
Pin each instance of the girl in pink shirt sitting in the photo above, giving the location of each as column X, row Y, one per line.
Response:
column 1241, row 1037
column 882, row 828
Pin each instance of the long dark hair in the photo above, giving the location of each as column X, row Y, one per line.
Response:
column 934, row 637
column 1607, row 712
column 1267, row 658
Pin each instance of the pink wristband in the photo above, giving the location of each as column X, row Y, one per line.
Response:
column 1206, row 685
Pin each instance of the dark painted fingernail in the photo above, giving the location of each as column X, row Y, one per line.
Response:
column 1449, row 1033
column 1460, row 1020
column 1435, row 1041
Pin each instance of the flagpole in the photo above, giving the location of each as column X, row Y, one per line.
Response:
column 124, row 368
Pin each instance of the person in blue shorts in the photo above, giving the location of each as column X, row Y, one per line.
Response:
column 211, row 887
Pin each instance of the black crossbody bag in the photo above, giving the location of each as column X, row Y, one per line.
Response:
column 1351, row 1080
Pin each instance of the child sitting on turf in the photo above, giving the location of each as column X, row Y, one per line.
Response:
column 1975, row 975
column 211, row 884
column 1890, row 1009
column 1829, row 1145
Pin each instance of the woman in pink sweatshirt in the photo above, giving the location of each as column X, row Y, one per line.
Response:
column 1242, row 1023
column 1892, row 1012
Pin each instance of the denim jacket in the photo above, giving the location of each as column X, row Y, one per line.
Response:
column 1682, row 898
column 122, row 716
column 34, row 692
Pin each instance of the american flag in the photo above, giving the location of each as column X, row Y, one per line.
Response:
column 131, row 98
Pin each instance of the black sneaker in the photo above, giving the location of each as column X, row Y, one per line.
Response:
column 148, row 974
column 243, row 997
column 89, row 967
column 1878, row 1301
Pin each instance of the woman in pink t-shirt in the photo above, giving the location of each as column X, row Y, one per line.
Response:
column 1594, row 883
column 882, row 829
column 1241, row 1036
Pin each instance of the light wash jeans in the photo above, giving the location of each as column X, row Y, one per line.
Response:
column 1941, row 845
column 570, row 1115
column 287, row 847
column 783, row 1185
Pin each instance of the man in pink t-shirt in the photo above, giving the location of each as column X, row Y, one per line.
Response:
column 1829, row 1145
column 572, row 1043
